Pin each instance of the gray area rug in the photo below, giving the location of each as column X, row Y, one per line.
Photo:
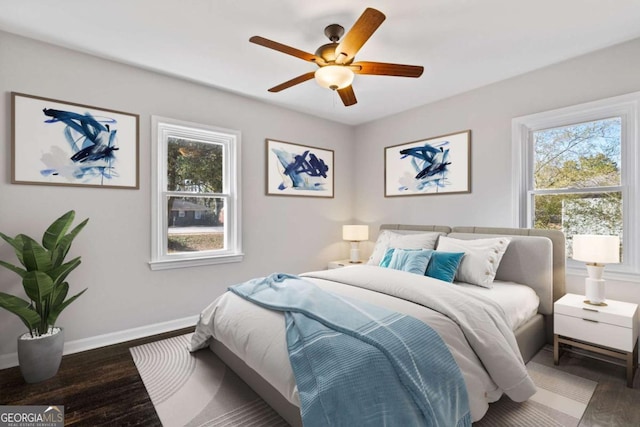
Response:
column 561, row 400
column 197, row 389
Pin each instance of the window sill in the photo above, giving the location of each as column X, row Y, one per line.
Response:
column 621, row 276
column 194, row 262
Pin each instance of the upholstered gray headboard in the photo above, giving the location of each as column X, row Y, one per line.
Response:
column 416, row 228
column 557, row 243
column 533, row 257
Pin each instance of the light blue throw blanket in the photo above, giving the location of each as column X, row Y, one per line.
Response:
column 357, row 364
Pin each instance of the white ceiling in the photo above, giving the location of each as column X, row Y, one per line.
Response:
column 463, row 44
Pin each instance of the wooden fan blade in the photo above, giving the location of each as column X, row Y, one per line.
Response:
column 384, row 69
column 348, row 96
column 286, row 49
column 300, row 79
column 357, row 36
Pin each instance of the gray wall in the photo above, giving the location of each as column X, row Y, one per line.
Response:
column 279, row 234
column 488, row 112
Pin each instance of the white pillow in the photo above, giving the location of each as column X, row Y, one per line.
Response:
column 481, row 258
column 388, row 239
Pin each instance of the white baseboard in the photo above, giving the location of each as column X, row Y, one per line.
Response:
column 11, row 359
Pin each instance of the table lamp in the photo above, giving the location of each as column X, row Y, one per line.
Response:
column 355, row 234
column 596, row 251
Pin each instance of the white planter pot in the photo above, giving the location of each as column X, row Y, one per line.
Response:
column 40, row 358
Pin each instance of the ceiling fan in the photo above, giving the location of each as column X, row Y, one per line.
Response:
column 335, row 60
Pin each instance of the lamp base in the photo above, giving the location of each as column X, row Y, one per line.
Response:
column 594, row 291
column 599, row 304
column 354, row 257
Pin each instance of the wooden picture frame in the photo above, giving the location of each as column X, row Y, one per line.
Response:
column 63, row 143
column 437, row 165
column 298, row 170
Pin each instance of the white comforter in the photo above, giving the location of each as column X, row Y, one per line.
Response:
column 257, row 335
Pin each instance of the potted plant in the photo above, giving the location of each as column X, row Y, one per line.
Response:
column 43, row 274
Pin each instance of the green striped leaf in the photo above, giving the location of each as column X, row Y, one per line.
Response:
column 37, row 285
column 36, row 258
column 17, row 244
column 60, row 273
column 55, row 311
column 57, row 230
column 58, row 296
column 62, row 248
column 19, row 271
column 20, row 308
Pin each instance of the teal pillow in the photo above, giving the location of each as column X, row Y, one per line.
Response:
column 443, row 265
column 412, row 261
column 386, row 259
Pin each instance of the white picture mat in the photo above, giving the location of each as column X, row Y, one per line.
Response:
column 34, row 138
column 399, row 171
column 275, row 170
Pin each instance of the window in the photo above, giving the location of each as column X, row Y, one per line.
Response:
column 575, row 170
column 196, row 202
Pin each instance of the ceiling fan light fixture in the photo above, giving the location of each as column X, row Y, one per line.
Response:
column 334, row 77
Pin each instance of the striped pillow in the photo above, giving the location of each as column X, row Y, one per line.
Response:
column 412, row 261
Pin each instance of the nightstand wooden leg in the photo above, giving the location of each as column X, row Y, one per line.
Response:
column 556, row 350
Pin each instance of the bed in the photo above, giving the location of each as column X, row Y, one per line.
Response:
column 531, row 267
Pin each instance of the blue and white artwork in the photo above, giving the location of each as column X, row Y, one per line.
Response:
column 432, row 166
column 298, row 170
column 72, row 144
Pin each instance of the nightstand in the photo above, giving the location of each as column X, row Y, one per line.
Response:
column 611, row 330
column 341, row 263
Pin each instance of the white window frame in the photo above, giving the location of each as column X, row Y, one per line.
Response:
column 162, row 129
column 624, row 106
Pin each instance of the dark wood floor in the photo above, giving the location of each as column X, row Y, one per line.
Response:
column 99, row 387
column 102, row 388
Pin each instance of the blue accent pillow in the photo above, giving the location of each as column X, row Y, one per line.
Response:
column 443, row 265
column 386, row 259
column 412, row 261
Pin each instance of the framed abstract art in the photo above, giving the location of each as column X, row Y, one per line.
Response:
column 438, row 165
column 298, row 170
column 63, row 143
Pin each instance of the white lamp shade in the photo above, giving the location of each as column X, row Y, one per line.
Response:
column 355, row 233
column 596, row 249
column 334, row 76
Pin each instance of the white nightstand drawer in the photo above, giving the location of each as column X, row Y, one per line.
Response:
column 621, row 316
column 598, row 333
column 342, row 263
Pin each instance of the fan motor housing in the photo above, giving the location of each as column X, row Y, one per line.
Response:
column 327, row 52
